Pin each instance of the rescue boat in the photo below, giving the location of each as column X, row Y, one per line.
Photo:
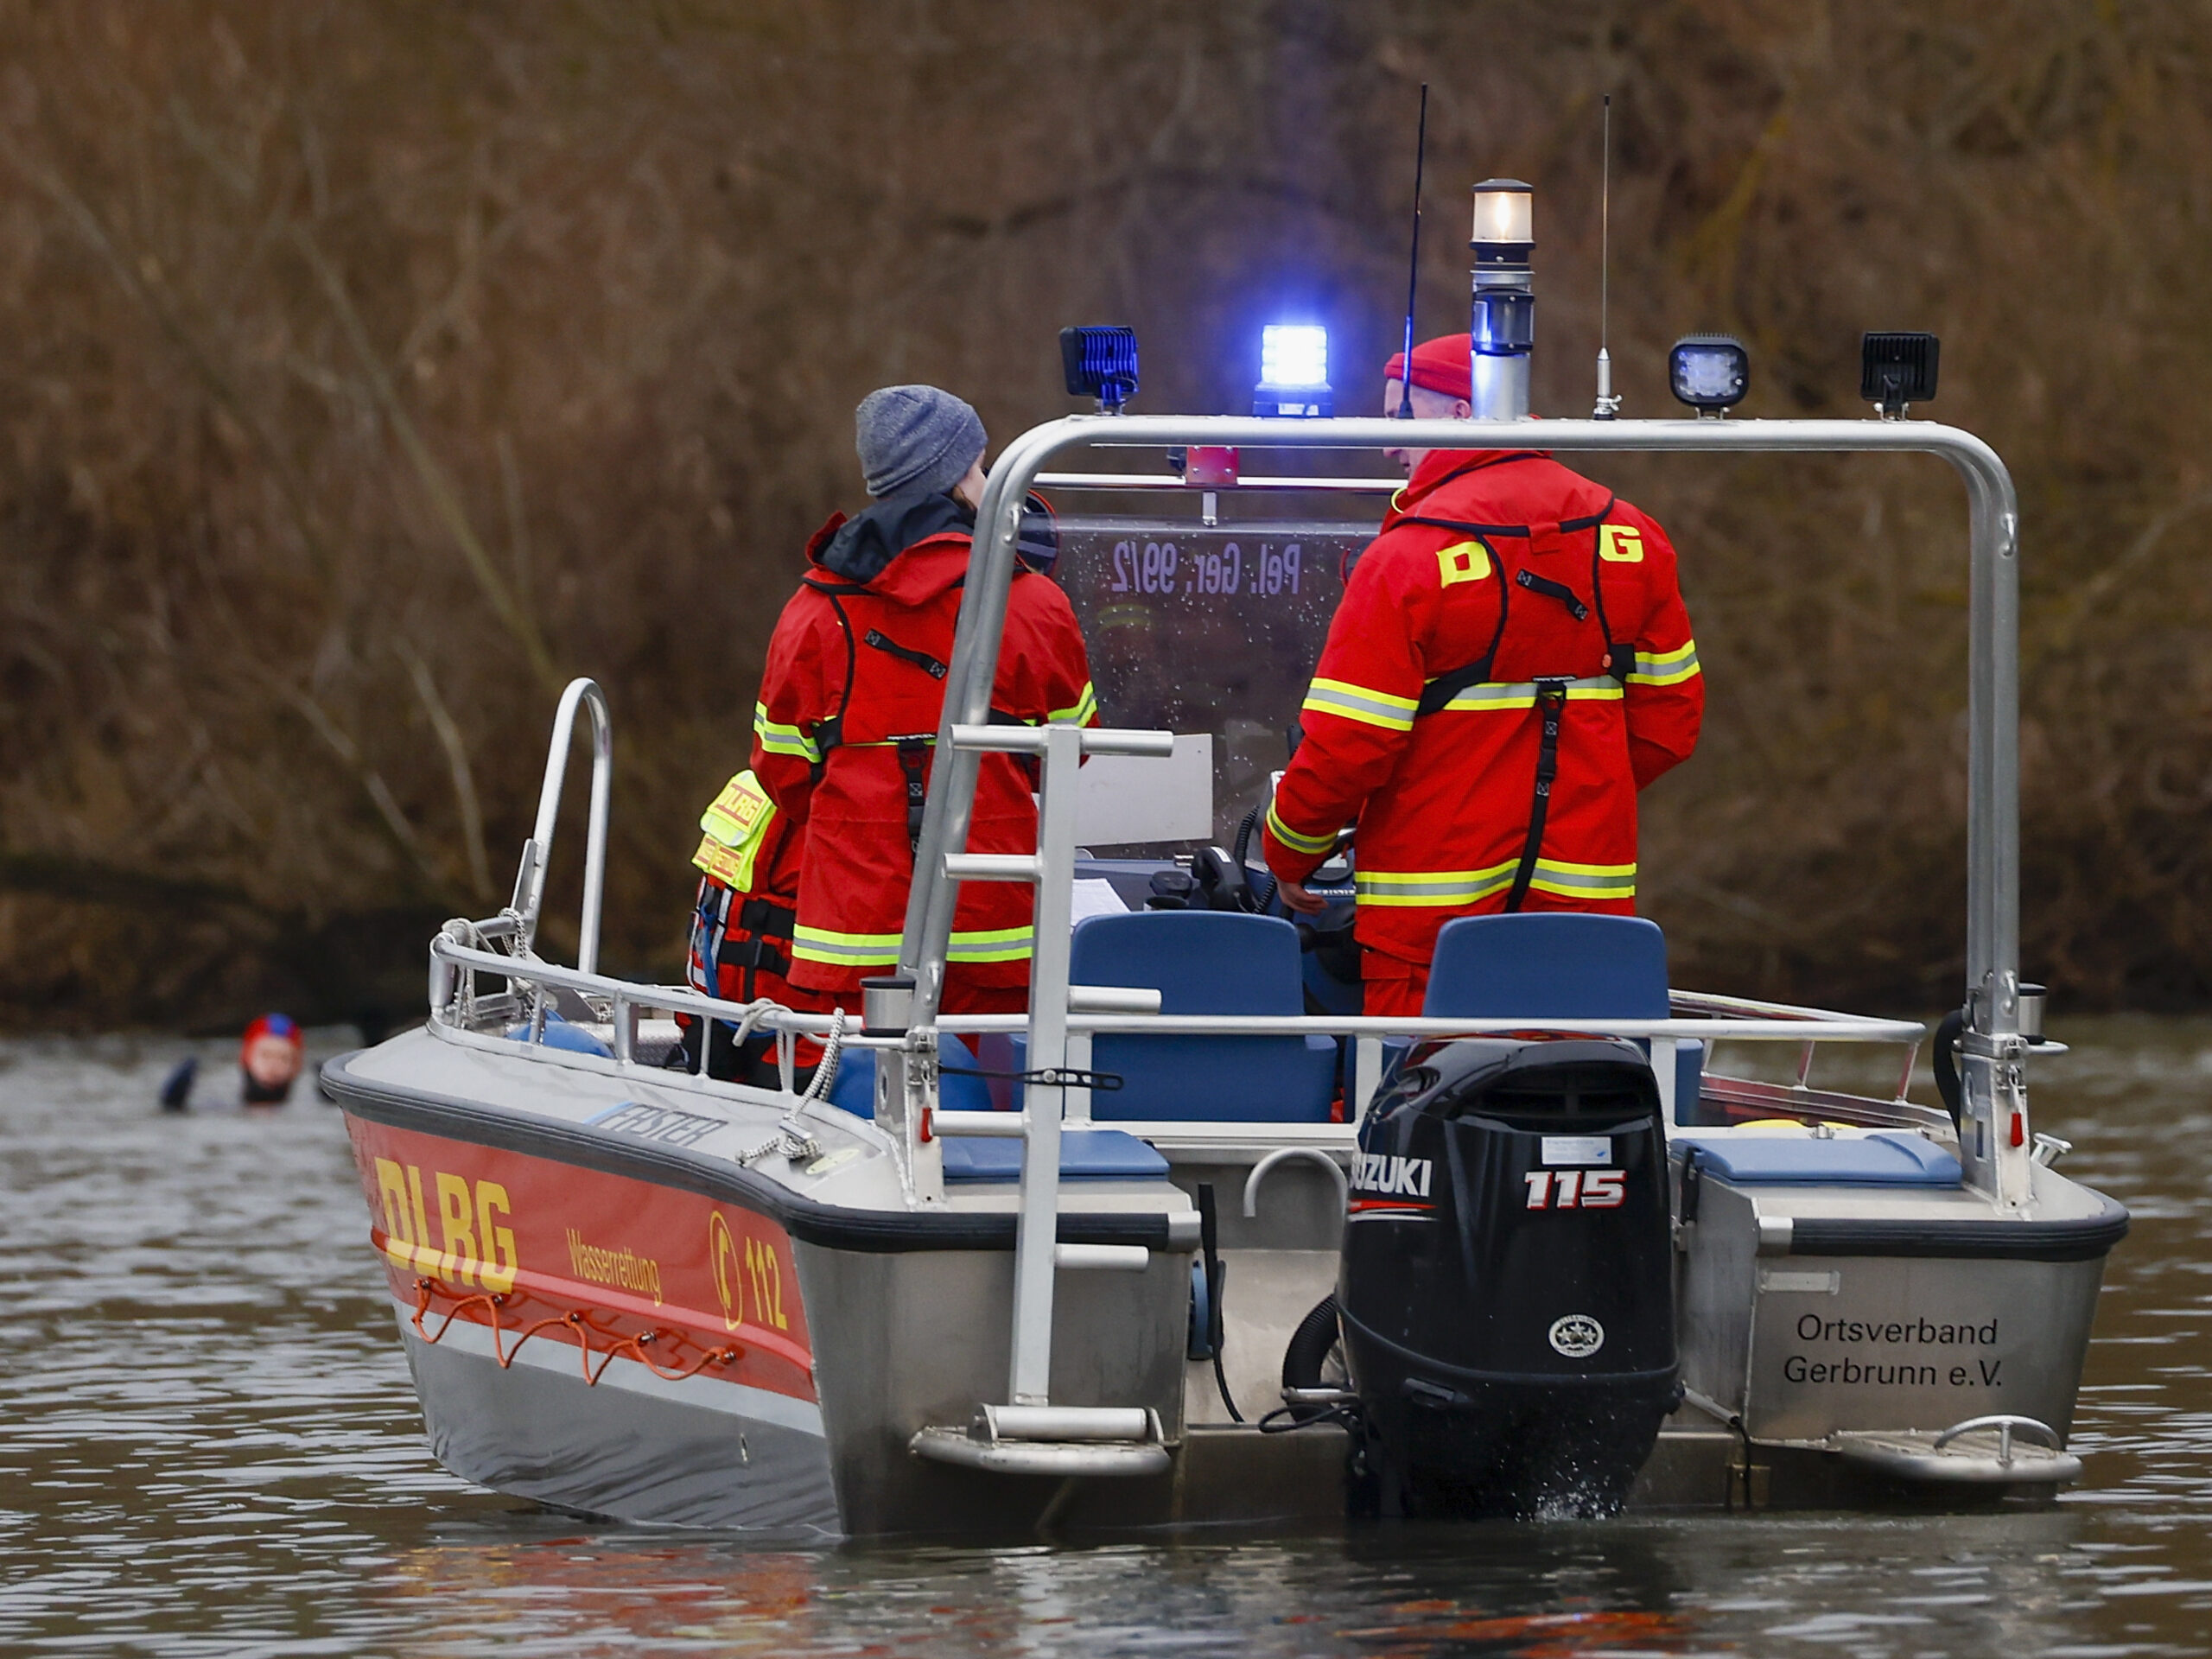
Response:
column 1193, row 1241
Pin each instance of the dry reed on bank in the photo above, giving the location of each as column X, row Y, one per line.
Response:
column 371, row 370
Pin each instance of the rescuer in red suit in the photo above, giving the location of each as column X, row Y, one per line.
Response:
column 1510, row 663
column 850, row 706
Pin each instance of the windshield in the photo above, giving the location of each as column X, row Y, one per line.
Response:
column 1216, row 629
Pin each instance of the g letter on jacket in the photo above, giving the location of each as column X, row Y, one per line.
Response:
column 849, row 714
column 1565, row 600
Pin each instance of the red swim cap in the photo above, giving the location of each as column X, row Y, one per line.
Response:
column 1441, row 365
column 281, row 1026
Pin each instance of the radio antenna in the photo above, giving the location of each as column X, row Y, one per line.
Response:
column 1608, row 404
column 1413, row 272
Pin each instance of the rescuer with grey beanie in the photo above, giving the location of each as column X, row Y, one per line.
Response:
column 915, row 440
column 844, row 728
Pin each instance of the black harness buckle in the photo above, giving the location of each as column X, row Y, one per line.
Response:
column 914, row 761
column 1551, row 703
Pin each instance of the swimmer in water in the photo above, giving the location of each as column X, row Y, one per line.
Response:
column 269, row 1058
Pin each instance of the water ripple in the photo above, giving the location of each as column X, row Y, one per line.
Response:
column 213, row 1449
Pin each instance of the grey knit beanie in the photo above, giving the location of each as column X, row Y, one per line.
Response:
column 915, row 440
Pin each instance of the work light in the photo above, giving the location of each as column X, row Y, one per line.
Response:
column 1895, row 371
column 1710, row 372
column 1101, row 363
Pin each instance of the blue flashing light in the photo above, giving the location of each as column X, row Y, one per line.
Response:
column 1293, row 370
column 1294, row 354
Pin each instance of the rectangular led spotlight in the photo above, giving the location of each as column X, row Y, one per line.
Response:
column 1896, row 370
column 1101, row 363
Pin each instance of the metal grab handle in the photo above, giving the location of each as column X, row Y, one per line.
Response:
column 537, row 851
column 2005, row 1423
column 1266, row 1164
column 1031, row 740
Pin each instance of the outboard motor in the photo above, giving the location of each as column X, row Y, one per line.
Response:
column 1506, row 1293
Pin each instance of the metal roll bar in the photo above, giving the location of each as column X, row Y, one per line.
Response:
column 1991, row 1050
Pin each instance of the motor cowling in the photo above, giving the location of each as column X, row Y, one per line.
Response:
column 1506, row 1290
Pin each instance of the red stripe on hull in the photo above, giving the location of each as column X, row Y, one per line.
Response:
column 591, row 1259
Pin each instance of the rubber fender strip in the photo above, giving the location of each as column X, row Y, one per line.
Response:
column 2086, row 1238
column 873, row 1232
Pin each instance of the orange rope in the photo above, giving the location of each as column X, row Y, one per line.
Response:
column 634, row 1346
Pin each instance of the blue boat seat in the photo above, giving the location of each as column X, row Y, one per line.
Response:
column 1556, row 964
column 1888, row 1158
column 854, row 1087
column 1085, row 1156
column 1204, row 962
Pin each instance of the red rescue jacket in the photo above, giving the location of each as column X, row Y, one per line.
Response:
column 1511, row 619
column 847, row 717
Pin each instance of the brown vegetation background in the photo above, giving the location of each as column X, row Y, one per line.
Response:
column 366, row 369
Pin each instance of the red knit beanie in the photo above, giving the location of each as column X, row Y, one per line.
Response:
column 1440, row 365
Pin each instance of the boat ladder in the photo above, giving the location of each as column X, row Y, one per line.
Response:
column 1030, row 1435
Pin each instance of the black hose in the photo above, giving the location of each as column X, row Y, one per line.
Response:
column 1308, row 1352
column 1947, row 1070
column 1240, row 851
column 1209, row 1253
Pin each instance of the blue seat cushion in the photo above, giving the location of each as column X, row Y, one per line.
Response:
column 1200, row 961
column 1885, row 1160
column 1548, row 964
column 1204, row 962
column 1209, row 1079
column 1554, row 965
column 1216, row 1079
column 1085, row 1156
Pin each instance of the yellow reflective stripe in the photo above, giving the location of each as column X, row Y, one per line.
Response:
column 1585, row 880
column 997, row 944
column 844, row 950
column 782, row 739
column 1292, row 839
column 1666, row 667
column 1085, row 707
column 876, row 950
column 1408, row 888
column 1488, row 696
column 1360, row 702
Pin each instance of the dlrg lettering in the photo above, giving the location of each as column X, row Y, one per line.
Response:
column 474, row 1247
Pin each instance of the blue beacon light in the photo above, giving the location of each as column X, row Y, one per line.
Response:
column 1293, row 370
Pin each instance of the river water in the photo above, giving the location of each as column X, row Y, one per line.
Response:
column 208, row 1446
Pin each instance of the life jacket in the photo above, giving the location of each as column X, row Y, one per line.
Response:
column 741, row 918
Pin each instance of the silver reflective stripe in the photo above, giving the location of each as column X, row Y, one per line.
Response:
column 1596, row 881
